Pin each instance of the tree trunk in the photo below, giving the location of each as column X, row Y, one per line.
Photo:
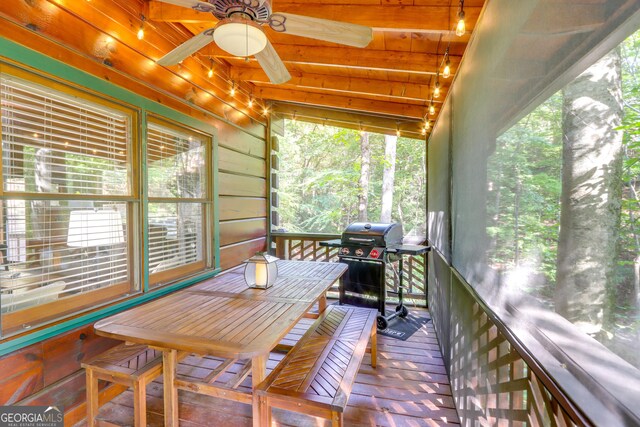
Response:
column 365, row 166
column 388, row 177
column 591, row 194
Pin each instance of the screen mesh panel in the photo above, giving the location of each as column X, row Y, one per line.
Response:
column 543, row 137
column 439, row 227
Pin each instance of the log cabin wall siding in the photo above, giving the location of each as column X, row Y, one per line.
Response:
column 48, row 372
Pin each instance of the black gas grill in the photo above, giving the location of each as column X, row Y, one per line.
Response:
column 366, row 248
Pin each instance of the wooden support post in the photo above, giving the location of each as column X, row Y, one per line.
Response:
column 140, row 403
column 92, row 398
column 169, row 362
column 374, row 345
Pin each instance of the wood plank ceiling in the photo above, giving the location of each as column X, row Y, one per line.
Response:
column 381, row 88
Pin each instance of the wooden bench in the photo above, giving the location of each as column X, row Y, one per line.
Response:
column 129, row 365
column 317, row 375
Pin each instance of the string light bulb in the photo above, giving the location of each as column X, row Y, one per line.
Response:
column 265, row 110
column 423, row 131
column 446, row 73
column 436, row 90
column 432, row 109
column 210, row 72
column 251, row 102
column 232, row 92
column 398, row 131
column 293, row 118
column 140, row 33
column 460, row 27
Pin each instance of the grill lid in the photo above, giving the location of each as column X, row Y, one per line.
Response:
column 373, row 234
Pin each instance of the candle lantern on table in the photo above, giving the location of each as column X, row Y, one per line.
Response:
column 260, row 271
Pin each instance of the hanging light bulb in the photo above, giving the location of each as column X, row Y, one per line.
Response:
column 210, row 72
column 251, row 102
column 460, row 28
column 141, row 29
column 423, row 131
column 398, row 132
column 360, row 128
column 432, row 109
column 265, row 110
column 293, row 119
column 436, row 90
column 232, row 92
column 446, row 72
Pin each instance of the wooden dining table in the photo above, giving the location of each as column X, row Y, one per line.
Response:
column 224, row 318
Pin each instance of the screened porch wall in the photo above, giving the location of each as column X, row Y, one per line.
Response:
column 511, row 362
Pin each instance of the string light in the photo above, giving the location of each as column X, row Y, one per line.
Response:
column 251, row 101
column 141, row 29
column 432, row 108
column 446, row 73
column 232, row 92
column 265, row 110
column 460, row 28
column 293, row 118
column 360, row 128
column 398, row 130
column 423, row 131
column 210, row 72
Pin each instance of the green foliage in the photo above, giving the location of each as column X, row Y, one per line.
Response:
column 320, row 171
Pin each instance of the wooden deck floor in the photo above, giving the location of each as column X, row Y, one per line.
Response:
column 409, row 387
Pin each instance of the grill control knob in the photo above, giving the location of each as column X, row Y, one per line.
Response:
column 359, row 252
column 344, row 251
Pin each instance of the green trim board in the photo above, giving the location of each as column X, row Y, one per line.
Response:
column 216, row 205
column 25, row 340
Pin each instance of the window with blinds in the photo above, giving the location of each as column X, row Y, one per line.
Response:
column 178, row 192
column 66, row 205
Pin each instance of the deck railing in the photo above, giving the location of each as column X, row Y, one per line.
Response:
column 306, row 246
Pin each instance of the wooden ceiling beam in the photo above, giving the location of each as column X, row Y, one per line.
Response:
column 411, row 128
column 395, row 109
column 396, row 17
column 421, row 63
column 343, row 84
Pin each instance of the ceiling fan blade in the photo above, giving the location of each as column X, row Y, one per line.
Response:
column 187, row 48
column 184, row 3
column 273, row 65
column 324, row 29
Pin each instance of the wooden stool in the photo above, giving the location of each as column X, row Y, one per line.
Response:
column 130, row 365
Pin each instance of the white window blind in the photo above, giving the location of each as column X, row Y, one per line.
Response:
column 63, row 220
column 177, row 188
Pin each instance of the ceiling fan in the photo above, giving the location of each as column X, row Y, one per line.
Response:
column 240, row 32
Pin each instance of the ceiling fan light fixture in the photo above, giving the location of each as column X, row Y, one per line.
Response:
column 240, row 37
